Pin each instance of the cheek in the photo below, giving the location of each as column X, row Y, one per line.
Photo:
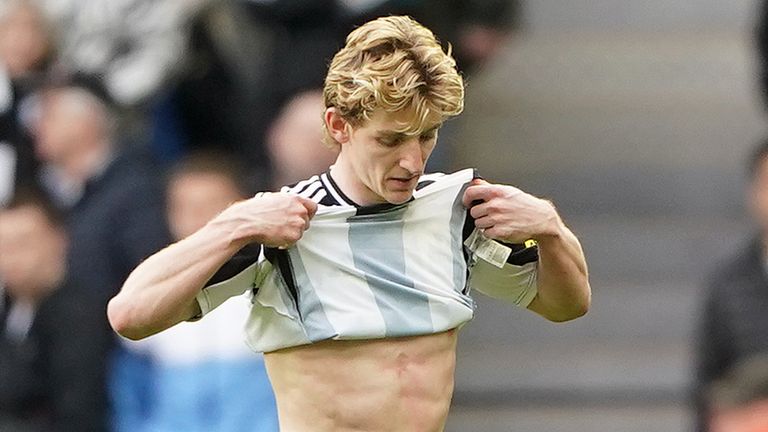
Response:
column 761, row 201
column 182, row 220
column 18, row 266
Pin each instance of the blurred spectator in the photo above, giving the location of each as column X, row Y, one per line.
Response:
column 740, row 400
column 114, row 200
column 53, row 334
column 137, row 49
column 475, row 29
column 734, row 322
column 135, row 45
column 24, row 55
column 219, row 102
column 201, row 376
column 249, row 58
column 295, row 140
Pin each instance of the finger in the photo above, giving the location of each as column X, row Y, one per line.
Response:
column 479, row 181
column 484, row 222
column 310, row 205
column 300, row 210
column 477, row 193
column 479, row 210
column 312, row 209
column 493, row 232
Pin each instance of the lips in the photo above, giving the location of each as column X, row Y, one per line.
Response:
column 404, row 182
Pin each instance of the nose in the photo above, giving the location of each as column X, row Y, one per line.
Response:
column 413, row 156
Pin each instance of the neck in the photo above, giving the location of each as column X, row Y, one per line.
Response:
column 349, row 183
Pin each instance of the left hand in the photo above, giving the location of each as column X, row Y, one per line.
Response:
column 509, row 214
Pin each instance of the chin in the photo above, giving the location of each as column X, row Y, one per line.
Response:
column 399, row 197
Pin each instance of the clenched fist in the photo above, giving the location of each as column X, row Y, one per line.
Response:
column 272, row 219
column 508, row 214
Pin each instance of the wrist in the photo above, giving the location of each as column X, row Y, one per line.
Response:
column 552, row 228
column 226, row 229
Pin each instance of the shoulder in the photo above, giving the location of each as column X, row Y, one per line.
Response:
column 747, row 258
column 129, row 180
column 309, row 185
column 319, row 188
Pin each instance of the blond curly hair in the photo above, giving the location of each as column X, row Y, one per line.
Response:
column 394, row 64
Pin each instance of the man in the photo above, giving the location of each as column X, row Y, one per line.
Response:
column 53, row 336
column 113, row 200
column 358, row 317
column 734, row 324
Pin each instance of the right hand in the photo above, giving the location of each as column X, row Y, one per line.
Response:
column 272, row 219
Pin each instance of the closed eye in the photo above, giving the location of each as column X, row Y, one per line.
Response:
column 389, row 141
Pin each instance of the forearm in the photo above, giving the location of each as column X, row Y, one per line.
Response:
column 563, row 286
column 161, row 291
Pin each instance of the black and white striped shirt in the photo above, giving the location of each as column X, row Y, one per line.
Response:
column 386, row 270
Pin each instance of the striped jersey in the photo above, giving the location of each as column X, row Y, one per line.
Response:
column 368, row 272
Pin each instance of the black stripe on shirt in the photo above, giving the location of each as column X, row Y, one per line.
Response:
column 280, row 259
column 243, row 259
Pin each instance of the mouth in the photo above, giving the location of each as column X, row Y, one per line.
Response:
column 404, row 182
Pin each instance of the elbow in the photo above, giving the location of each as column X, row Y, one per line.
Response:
column 120, row 319
column 575, row 308
column 569, row 314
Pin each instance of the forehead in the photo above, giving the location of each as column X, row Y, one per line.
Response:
column 408, row 122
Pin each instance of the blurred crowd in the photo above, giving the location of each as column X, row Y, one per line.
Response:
column 730, row 390
column 128, row 124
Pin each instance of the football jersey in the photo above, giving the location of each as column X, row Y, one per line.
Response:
column 369, row 272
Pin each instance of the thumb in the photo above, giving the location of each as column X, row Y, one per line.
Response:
column 310, row 205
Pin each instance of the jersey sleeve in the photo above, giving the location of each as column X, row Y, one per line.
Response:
column 506, row 272
column 515, row 284
column 234, row 278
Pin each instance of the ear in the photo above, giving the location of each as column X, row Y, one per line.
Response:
column 337, row 127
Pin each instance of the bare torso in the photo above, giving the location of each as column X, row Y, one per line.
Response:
column 402, row 384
